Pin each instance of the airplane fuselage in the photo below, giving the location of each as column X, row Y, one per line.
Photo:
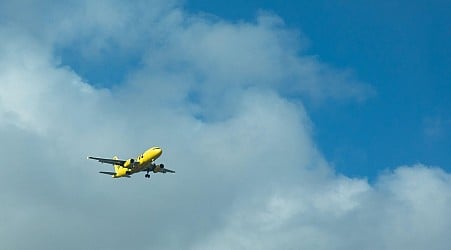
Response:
column 143, row 162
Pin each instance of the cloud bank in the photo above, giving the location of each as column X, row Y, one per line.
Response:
column 225, row 101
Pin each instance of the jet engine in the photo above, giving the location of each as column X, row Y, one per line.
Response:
column 129, row 163
column 158, row 168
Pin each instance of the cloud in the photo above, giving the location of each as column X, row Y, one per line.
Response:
column 435, row 127
column 217, row 96
column 405, row 209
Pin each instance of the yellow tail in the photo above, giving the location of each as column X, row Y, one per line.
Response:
column 116, row 167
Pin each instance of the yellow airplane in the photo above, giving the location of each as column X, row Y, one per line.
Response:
column 144, row 162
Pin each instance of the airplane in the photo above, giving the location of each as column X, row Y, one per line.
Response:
column 143, row 163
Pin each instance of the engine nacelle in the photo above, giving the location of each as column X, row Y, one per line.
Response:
column 129, row 163
column 158, row 168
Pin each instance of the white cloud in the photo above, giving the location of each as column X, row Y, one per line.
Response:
column 404, row 210
column 213, row 95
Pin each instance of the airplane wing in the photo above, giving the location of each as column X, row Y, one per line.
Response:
column 165, row 170
column 109, row 161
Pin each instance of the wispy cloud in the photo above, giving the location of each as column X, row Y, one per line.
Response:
column 436, row 127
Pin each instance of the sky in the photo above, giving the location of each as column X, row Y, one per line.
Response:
column 401, row 48
column 291, row 125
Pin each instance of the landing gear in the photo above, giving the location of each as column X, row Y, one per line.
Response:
column 147, row 175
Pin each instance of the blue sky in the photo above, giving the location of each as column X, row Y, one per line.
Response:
column 401, row 48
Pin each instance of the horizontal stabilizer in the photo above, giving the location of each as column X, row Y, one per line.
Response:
column 110, row 173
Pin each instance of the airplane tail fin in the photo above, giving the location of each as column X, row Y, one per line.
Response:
column 116, row 167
